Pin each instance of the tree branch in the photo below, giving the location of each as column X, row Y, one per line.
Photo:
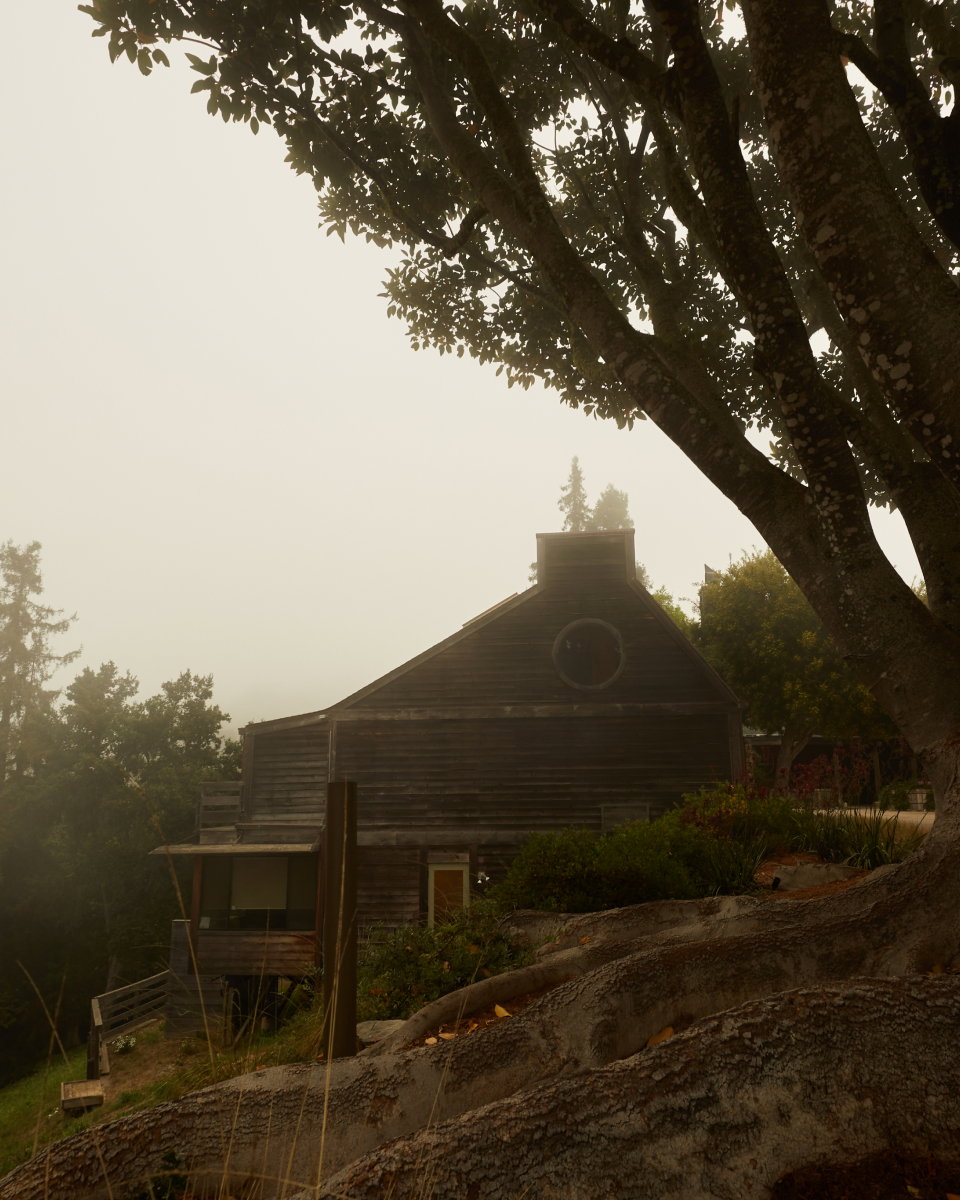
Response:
column 619, row 55
column 932, row 141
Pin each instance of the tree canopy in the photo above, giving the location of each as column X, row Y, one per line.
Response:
column 107, row 778
column 27, row 660
column 611, row 510
column 760, row 632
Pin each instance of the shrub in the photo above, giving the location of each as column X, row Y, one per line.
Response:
column 573, row 871
column 712, row 846
column 895, row 795
column 401, row 970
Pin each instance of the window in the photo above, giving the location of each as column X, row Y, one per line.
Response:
column 258, row 891
column 589, row 654
column 448, row 890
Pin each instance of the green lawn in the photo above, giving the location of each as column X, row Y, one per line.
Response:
column 30, row 1108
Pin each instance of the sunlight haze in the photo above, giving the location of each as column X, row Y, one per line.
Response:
column 233, row 460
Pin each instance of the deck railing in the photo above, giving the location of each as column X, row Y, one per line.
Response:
column 220, row 802
column 112, row 1014
column 121, row 1011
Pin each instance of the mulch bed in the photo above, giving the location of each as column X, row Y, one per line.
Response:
column 886, row 1176
column 482, row 1018
column 767, row 871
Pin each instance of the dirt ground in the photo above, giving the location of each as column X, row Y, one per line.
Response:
column 151, row 1059
column 764, row 877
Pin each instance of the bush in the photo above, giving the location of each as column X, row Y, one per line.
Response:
column 401, row 970
column 895, row 795
column 711, row 846
column 573, row 871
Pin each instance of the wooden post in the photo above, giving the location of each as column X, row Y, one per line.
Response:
column 93, row 1041
column 340, row 922
column 195, row 910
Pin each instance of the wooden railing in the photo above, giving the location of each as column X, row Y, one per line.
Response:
column 120, row 1011
column 130, row 1007
column 219, row 802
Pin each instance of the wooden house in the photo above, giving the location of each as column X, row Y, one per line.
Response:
column 577, row 702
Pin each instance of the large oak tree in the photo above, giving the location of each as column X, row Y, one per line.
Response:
column 653, row 208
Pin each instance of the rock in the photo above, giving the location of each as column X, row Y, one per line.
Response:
column 369, row 1032
column 808, row 875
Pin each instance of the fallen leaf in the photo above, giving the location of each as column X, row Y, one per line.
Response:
column 500, row 1011
column 446, row 966
column 474, row 949
column 448, row 1037
column 430, row 1042
column 584, row 940
column 484, row 971
column 473, row 1026
column 937, row 969
column 951, row 1196
column 913, row 1191
column 660, row 1037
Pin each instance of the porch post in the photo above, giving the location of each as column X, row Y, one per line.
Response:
column 340, row 922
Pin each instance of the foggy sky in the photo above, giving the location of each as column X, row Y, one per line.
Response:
column 233, row 460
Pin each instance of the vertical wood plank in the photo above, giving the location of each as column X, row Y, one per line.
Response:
column 195, row 907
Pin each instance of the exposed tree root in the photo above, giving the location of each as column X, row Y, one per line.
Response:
column 724, row 1110
column 634, row 971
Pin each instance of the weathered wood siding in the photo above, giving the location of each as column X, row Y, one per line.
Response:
column 388, row 885
column 512, row 776
column 235, row 953
column 510, row 661
column 289, row 776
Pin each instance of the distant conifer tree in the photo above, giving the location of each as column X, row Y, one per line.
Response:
column 573, row 501
column 611, row 510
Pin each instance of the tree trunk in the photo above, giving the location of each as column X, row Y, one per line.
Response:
column 795, row 737
column 113, row 962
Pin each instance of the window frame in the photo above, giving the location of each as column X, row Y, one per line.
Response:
column 578, row 624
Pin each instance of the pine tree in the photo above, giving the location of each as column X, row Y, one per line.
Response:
column 573, row 501
column 610, row 511
column 26, row 660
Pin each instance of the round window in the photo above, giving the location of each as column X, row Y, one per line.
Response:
column 589, row 654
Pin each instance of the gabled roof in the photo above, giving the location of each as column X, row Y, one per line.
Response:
column 467, row 630
column 611, row 548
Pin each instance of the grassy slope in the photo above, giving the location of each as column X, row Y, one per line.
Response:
column 30, row 1108
column 154, row 1071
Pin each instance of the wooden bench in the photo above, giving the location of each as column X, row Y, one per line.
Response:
column 85, row 1094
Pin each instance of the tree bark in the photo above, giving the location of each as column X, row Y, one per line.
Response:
column 795, row 737
column 722, row 1110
